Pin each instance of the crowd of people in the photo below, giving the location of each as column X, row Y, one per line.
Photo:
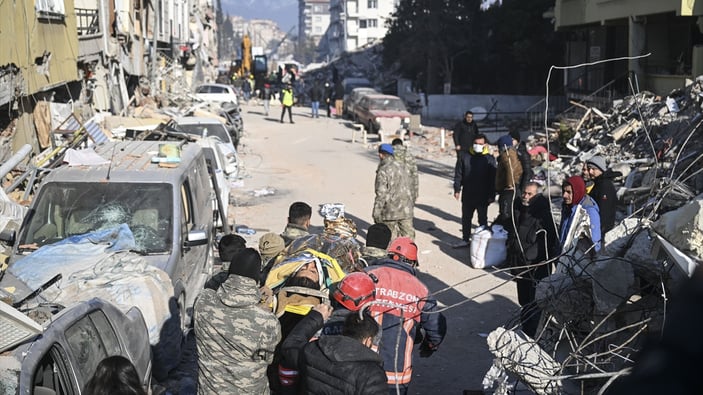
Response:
column 588, row 207
column 315, row 313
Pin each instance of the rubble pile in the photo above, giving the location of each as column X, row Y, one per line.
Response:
column 597, row 309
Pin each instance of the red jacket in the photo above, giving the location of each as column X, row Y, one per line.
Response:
column 398, row 285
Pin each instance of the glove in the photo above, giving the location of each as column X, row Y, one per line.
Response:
column 426, row 350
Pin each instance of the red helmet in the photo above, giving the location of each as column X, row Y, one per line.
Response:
column 405, row 247
column 354, row 290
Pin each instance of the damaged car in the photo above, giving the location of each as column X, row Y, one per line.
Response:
column 57, row 350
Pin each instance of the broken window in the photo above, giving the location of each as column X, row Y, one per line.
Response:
column 72, row 208
column 51, row 374
column 90, row 340
column 50, row 9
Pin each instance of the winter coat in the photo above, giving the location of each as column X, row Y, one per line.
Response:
column 509, row 170
column 316, row 93
column 394, row 199
column 526, row 163
column 333, row 364
column 464, row 134
column 235, row 338
column 476, row 175
column 605, row 196
column 568, row 214
column 534, row 226
column 397, row 284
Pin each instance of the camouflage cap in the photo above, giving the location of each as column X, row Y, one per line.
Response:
column 270, row 244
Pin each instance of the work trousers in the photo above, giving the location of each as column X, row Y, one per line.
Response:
column 401, row 228
column 338, row 105
column 467, row 214
column 290, row 113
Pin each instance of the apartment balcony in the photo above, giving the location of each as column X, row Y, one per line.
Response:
column 90, row 34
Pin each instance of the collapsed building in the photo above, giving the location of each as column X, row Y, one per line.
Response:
column 598, row 311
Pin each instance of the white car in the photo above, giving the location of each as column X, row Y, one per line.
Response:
column 218, row 93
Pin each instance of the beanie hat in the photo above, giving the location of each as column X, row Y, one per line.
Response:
column 504, row 141
column 378, row 235
column 515, row 134
column 387, row 148
column 246, row 263
column 597, row 161
column 270, row 245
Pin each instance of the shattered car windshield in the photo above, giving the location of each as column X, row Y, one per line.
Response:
column 387, row 105
column 68, row 209
column 204, row 130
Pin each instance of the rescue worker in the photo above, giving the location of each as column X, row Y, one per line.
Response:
column 299, row 214
column 393, row 204
column 397, row 284
column 378, row 236
column 235, row 338
column 287, row 102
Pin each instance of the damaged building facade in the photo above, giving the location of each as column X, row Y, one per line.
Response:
column 88, row 56
column 671, row 30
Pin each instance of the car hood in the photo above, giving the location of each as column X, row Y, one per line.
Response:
column 390, row 114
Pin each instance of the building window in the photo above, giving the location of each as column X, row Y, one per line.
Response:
column 362, row 23
column 372, row 22
column 372, row 4
column 317, row 9
column 50, row 9
column 318, row 19
column 318, row 30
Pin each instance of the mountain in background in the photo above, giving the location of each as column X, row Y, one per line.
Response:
column 283, row 12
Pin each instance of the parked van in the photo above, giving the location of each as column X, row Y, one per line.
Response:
column 166, row 202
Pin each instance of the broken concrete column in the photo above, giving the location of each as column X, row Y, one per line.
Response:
column 684, row 228
column 522, row 356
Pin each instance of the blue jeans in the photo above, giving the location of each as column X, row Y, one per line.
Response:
column 315, row 109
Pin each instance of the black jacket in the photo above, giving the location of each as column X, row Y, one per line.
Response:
column 316, row 93
column 605, row 196
column 535, row 225
column 476, row 175
column 464, row 134
column 333, row 364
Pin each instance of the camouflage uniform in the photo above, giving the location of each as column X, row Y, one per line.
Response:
column 408, row 160
column 292, row 232
column 235, row 339
column 372, row 254
column 393, row 205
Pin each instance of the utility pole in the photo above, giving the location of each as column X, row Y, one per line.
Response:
column 155, row 6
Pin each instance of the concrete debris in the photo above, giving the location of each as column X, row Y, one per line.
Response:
column 598, row 308
column 684, row 228
column 519, row 354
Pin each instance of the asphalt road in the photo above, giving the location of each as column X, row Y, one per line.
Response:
column 314, row 161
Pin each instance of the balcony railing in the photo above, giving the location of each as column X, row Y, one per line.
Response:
column 87, row 22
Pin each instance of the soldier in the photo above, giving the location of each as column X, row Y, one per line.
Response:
column 299, row 215
column 393, row 204
column 402, row 155
column 235, row 338
column 377, row 238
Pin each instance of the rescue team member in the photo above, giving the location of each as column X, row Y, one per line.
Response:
column 397, row 284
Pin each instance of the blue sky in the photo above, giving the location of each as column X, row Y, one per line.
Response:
column 284, row 12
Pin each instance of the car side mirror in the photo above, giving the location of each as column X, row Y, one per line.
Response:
column 8, row 236
column 196, row 238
